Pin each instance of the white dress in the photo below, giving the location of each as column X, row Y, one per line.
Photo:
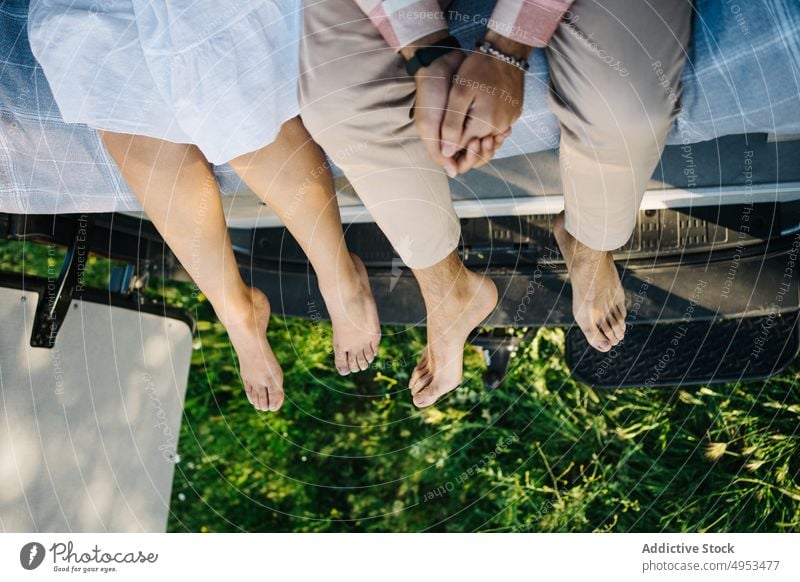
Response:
column 220, row 75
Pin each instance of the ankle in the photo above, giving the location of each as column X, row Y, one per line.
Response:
column 344, row 282
column 239, row 306
column 569, row 243
column 458, row 292
column 585, row 253
column 466, row 283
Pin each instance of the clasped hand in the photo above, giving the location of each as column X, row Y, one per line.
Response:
column 465, row 107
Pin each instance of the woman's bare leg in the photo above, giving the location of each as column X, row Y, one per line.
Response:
column 291, row 176
column 179, row 193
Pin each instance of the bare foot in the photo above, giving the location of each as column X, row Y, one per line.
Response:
column 451, row 317
column 247, row 329
column 598, row 301
column 354, row 316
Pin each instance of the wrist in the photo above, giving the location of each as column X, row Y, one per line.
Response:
column 508, row 46
column 427, row 40
column 428, row 56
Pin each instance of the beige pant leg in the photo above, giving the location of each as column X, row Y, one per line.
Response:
column 615, row 69
column 356, row 102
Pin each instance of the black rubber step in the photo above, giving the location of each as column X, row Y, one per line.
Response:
column 688, row 352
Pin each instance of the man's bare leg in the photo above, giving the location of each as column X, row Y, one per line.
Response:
column 290, row 175
column 177, row 190
column 598, row 301
column 457, row 301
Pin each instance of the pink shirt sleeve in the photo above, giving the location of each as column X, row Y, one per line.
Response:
column 401, row 22
column 530, row 22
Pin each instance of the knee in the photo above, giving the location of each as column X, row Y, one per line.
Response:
column 620, row 116
column 293, row 132
column 634, row 119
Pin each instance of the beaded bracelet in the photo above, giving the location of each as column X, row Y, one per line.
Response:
column 486, row 48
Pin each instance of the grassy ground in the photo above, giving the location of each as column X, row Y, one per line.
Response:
column 540, row 453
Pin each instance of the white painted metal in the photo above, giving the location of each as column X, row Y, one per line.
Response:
column 353, row 212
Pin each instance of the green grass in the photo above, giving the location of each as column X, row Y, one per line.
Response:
column 540, row 453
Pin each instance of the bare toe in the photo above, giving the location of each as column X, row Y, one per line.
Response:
column 620, row 323
column 422, row 382
column 616, row 327
column 262, row 402
column 276, row 397
column 415, row 383
column 608, row 332
column 352, row 363
column 340, row 359
column 423, row 399
column 251, row 398
column 598, row 340
column 426, row 397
